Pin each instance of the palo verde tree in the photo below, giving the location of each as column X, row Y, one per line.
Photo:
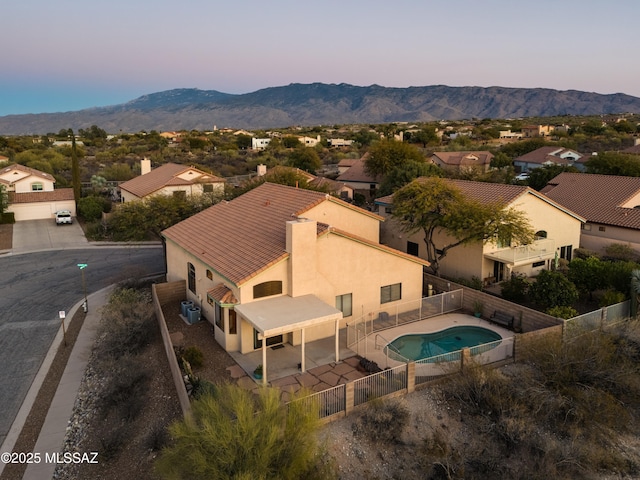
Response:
column 232, row 434
column 448, row 218
column 387, row 154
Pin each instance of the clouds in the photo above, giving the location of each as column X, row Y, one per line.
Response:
column 119, row 50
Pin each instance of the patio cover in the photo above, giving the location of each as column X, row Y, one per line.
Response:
column 280, row 315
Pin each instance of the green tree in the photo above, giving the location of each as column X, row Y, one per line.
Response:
column 75, row 169
column 611, row 163
column 243, row 141
column 233, row 435
column 387, row 154
column 425, row 136
column 365, row 137
column 435, row 207
column 501, row 160
column 290, row 141
column 539, row 177
column 400, row 175
column 90, row 208
column 553, row 289
column 306, row 159
column 4, row 199
column 587, row 274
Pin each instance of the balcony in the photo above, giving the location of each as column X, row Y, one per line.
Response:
column 543, row 249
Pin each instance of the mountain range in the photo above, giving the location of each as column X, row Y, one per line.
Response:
column 320, row 104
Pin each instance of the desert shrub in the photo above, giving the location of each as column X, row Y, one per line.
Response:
column 585, row 253
column 125, row 387
column 620, row 252
column 515, row 289
column 91, row 208
column 562, row 312
column 474, row 282
column 95, row 231
column 158, row 437
column 128, row 321
column 194, row 356
column 553, row 289
column 383, row 421
column 611, row 297
column 112, row 441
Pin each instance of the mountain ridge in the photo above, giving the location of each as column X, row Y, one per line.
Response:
column 318, row 104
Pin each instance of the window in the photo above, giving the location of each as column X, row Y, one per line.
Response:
column 209, row 274
column 36, row 187
column 390, row 293
column 540, row 234
column 219, row 317
column 207, row 188
column 233, row 328
column 181, row 194
column 602, row 229
column 344, row 304
column 566, row 252
column 267, row 289
column 586, row 226
column 413, row 248
column 191, row 277
column 538, row 264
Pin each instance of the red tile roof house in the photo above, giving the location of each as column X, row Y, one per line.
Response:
column 357, row 177
column 32, row 195
column 557, row 232
column 463, row 161
column 170, row 179
column 550, row 155
column 610, row 204
column 287, row 265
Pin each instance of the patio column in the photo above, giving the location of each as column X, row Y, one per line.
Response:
column 337, row 340
column 302, row 365
column 264, row 360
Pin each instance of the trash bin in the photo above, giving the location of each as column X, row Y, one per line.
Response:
column 193, row 315
column 184, row 306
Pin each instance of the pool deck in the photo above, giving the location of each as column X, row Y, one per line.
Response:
column 371, row 346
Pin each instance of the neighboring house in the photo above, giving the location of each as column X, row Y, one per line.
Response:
column 339, row 142
column 32, row 195
column 510, row 134
column 339, row 189
column 463, row 161
column 345, row 164
column 609, row 203
column 535, row 131
column 359, row 180
column 633, row 150
column 309, row 141
column 3, row 159
column 170, row 179
column 259, row 143
column 557, row 233
column 280, row 265
column 550, row 155
column 243, row 132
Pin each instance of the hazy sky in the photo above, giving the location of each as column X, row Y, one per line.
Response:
column 69, row 54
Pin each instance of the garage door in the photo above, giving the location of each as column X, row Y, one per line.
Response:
column 31, row 211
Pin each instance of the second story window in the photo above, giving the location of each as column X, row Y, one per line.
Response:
column 37, row 187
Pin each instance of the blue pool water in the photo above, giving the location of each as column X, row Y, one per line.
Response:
column 425, row 345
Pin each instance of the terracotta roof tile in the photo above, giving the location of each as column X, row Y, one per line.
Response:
column 58, row 194
column 165, row 175
column 245, row 236
column 552, row 154
column 598, row 198
column 30, row 171
column 357, row 173
column 222, row 294
column 465, row 158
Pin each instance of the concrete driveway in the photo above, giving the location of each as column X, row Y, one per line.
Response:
column 38, row 235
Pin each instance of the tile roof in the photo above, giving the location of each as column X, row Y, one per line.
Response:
column 635, row 150
column 245, row 236
column 598, row 198
column 57, row 195
column 552, row 154
column 30, row 171
column 222, row 294
column 487, row 193
column 165, row 175
column 465, row 158
column 357, row 173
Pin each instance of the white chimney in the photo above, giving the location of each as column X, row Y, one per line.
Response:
column 636, row 142
column 262, row 170
column 145, row 166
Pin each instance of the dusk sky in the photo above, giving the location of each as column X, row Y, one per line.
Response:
column 70, row 54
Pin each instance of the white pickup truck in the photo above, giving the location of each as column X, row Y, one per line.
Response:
column 63, row 216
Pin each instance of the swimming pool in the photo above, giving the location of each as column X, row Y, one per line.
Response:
column 426, row 345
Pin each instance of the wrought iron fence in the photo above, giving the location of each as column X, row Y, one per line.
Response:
column 379, row 384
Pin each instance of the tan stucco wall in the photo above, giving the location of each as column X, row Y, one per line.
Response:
column 594, row 239
column 347, row 219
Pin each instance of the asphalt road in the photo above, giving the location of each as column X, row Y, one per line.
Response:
column 34, row 287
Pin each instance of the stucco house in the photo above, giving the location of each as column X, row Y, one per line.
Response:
column 550, row 155
column 281, row 265
column 463, row 161
column 557, row 234
column 609, row 203
column 32, row 195
column 357, row 177
column 169, row 179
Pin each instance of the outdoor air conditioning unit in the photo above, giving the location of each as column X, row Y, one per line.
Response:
column 193, row 315
column 184, row 306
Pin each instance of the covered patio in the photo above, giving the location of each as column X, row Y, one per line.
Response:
column 284, row 315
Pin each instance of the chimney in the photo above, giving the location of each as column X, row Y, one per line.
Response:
column 145, row 166
column 636, row 142
column 302, row 235
column 262, row 170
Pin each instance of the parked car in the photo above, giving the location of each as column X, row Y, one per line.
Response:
column 63, row 216
column 522, row 176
